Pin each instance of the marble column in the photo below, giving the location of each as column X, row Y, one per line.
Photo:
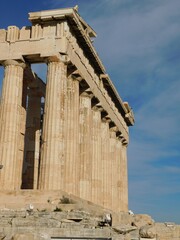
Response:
column 114, row 173
column 32, row 140
column 53, row 137
column 96, row 156
column 22, row 127
column 72, row 134
column 122, row 181
column 11, row 102
column 119, row 179
column 85, row 146
column 106, row 178
column 124, row 178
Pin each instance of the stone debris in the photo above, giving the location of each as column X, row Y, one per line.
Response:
column 140, row 220
column 124, row 229
column 17, row 225
column 30, row 236
column 148, row 231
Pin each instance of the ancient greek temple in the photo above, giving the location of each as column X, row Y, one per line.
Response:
column 69, row 132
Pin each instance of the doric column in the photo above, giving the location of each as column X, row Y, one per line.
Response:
column 22, row 126
column 106, row 168
column 72, row 134
column 124, row 178
column 32, row 140
column 119, row 183
column 96, row 156
column 122, row 184
column 53, row 136
column 114, row 174
column 85, row 146
column 11, row 102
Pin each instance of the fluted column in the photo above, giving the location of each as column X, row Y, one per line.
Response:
column 119, row 174
column 85, row 146
column 105, row 163
column 53, row 136
column 22, row 126
column 32, row 140
column 96, row 156
column 72, row 133
column 124, row 179
column 114, row 172
column 11, row 101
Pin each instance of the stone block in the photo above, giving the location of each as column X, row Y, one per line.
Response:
column 149, row 239
column 148, row 231
column 36, row 32
column 121, row 237
column 49, row 31
column 121, row 218
column 167, row 231
column 23, row 236
column 25, row 33
column 140, row 220
column 30, row 236
column 12, row 34
column 134, row 234
column 3, row 35
column 2, row 235
column 123, row 229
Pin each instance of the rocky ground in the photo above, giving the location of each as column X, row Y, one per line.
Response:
column 36, row 215
column 32, row 224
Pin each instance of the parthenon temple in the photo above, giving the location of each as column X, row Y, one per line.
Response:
column 69, row 132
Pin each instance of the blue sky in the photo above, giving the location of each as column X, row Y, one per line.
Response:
column 139, row 44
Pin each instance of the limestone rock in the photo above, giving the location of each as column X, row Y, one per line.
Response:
column 42, row 225
column 149, row 239
column 140, row 220
column 30, row 236
column 120, row 237
column 147, row 231
column 22, row 236
column 2, row 236
column 167, row 231
column 42, row 237
column 123, row 229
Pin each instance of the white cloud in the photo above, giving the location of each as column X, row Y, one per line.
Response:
column 136, row 33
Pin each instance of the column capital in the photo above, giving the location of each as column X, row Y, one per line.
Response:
column 114, row 129
column 14, row 62
column 105, row 117
column 97, row 108
column 76, row 76
column 96, row 105
column 57, row 58
column 124, row 143
column 121, row 138
column 87, row 93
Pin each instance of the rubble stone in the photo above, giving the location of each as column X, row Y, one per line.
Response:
column 147, row 231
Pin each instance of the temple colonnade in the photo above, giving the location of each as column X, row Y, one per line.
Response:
column 70, row 133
